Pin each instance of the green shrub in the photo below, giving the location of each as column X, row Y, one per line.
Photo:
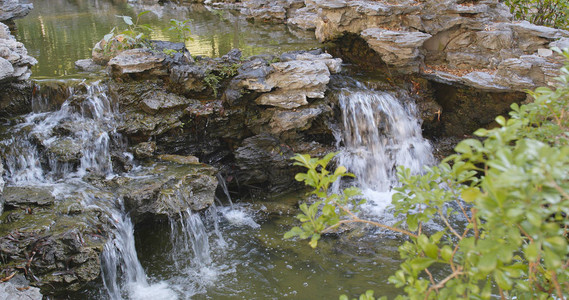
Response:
column 553, row 13
column 511, row 189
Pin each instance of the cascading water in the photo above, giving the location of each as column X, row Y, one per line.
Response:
column 57, row 149
column 379, row 134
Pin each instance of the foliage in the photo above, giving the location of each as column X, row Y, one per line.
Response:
column 502, row 199
column 134, row 36
column 182, row 29
column 553, row 13
column 212, row 78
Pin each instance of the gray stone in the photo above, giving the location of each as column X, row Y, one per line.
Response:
column 87, row 65
column 12, row 9
column 136, row 61
column 144, row 150
column 300, row 119
column 16, row 196
column 156, row 100
column 397, row 48
column 169, row 188
column 9, row 291
column 15, row 63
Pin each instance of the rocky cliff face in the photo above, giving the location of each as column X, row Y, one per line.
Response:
column 247, row 115
column 473, row 44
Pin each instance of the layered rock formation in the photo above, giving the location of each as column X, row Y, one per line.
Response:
column 15, row 63
column 473, row 44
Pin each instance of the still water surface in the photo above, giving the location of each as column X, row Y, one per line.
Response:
column 59, row 32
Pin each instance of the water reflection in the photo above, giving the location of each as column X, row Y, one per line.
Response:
column 59, row 32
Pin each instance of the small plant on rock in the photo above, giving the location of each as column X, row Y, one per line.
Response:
column 182, row 30
column 134, row 36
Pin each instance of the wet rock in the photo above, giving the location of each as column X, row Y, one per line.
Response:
column 188, row 78
column 144, row 150
column 167, row 189
column 13, row 9
column 87, row 65
column 65, row 149
column 9, row 291
column 15, row 196
column 137, row 61
column 179, row 159
column 54, row 240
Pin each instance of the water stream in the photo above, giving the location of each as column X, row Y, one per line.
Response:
column 232, row 251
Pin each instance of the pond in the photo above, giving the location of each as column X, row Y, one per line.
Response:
column 59, row 32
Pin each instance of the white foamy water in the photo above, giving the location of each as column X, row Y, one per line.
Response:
column 380, row 133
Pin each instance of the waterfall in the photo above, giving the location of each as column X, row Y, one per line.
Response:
column 58, row 148
column 379, row 134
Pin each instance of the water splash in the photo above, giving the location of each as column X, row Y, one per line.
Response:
column 380, row 133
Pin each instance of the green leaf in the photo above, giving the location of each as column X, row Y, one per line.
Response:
column 503, row 281
column 295, row 231
column 314, row 240
column 487, row 262
column 343, row 297
column 142, row 13
column 470, row 194
column 421, row 263
column 127, row 20
column 446, row 253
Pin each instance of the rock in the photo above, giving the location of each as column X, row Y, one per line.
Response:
column 153, row 101
column 15, row 196
column 179, row 159
column 299, row 119
column 1, row 187
column 9, row 291
column 463, row 36
column 169, row 188
column 58, row 239
column 15, row 63
column 137, row 61
column 264, row 160
column 296, row 80
column 144, row 150
column 397, row 48
column 87, row 65
column 304, row 18
column 544, row 52
column 12, row 9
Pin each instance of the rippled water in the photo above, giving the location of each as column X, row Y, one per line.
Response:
column 59, row 32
